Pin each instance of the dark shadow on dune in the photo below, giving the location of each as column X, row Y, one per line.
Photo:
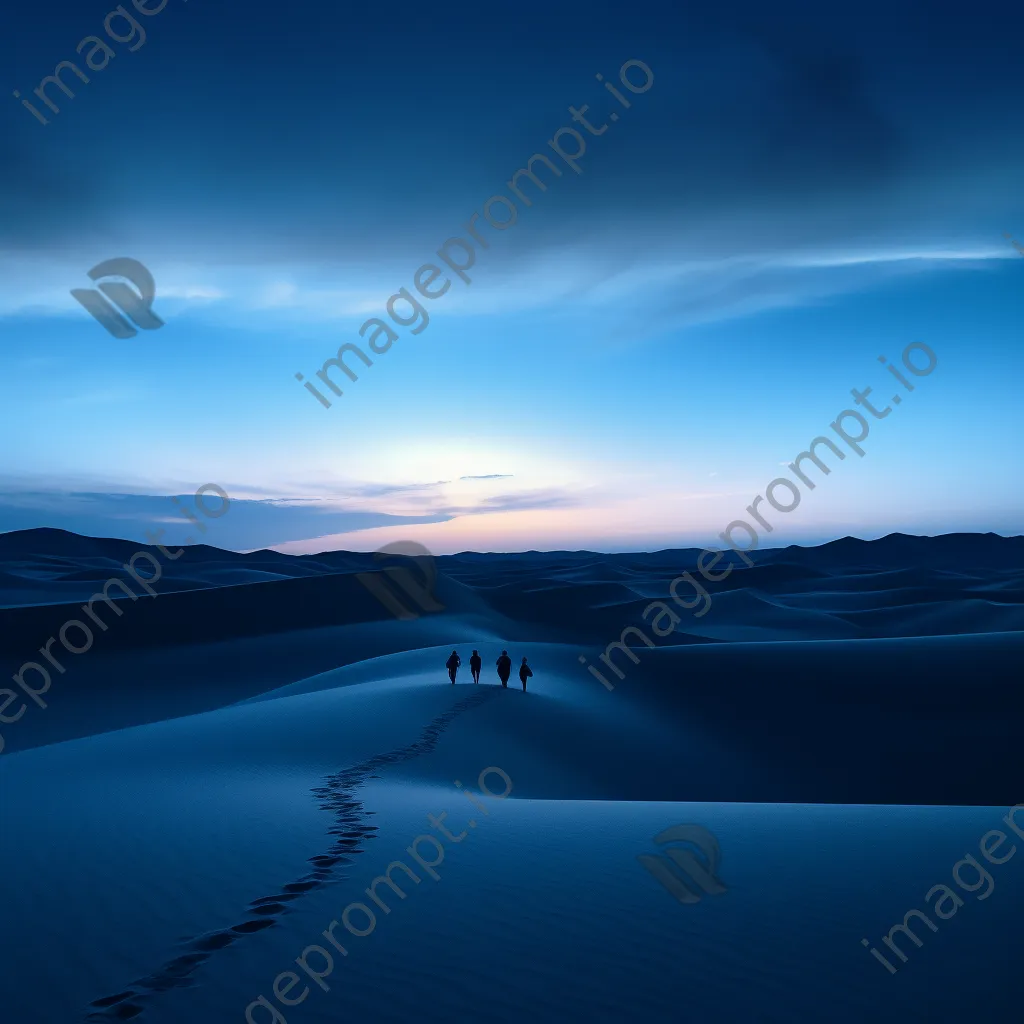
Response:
column 931, row 720
column 351, row 831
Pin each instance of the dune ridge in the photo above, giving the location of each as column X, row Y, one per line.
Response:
column 848, row 718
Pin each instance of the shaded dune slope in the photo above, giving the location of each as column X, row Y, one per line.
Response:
column 226, row 626
column 350, row 831
column 898, row 721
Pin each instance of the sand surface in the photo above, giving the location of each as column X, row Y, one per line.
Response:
column 236, row 760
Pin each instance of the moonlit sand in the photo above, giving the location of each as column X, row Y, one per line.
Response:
column 237, row 759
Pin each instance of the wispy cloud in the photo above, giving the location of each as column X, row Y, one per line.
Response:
column 247, row 523
column 704, row 282
column 549, row 498
column 253, row 521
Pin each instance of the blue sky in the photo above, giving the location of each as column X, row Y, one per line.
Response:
column 634, row 360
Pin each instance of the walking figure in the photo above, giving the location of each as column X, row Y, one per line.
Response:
column 504, row 664
column 453, row 666
column 524, row 673
column 474, row 666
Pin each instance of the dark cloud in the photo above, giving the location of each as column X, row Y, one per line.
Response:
column 826, row 121
column 750, row 107
column 41, row 200
column 246, row 524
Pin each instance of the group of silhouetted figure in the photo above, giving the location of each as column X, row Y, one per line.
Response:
column 504, row 664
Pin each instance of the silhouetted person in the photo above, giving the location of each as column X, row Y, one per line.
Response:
column 474, row 666
column 524, row 673
column 504, row 664
column 453, row 665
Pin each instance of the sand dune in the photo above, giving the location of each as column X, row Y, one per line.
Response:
column 237, row 759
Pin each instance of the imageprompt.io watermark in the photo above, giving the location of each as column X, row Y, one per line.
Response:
column 352, row 916
column 35, row 693
column 422, row 595
column 98, row 57
column 636, row 78
column 679, row 870
column 947, row 902
column 710, row 557
column 137, row 304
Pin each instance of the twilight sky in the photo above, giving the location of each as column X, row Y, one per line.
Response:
column 802, row 189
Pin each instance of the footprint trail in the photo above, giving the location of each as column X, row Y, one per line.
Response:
column 351, row 831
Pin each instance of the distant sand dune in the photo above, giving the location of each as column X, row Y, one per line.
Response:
column 238, row 758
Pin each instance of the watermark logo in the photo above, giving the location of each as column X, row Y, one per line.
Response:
column 421, row 594
column 135, row 302
column 699, row 873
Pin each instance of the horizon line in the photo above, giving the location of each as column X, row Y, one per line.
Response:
column 528, row 551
